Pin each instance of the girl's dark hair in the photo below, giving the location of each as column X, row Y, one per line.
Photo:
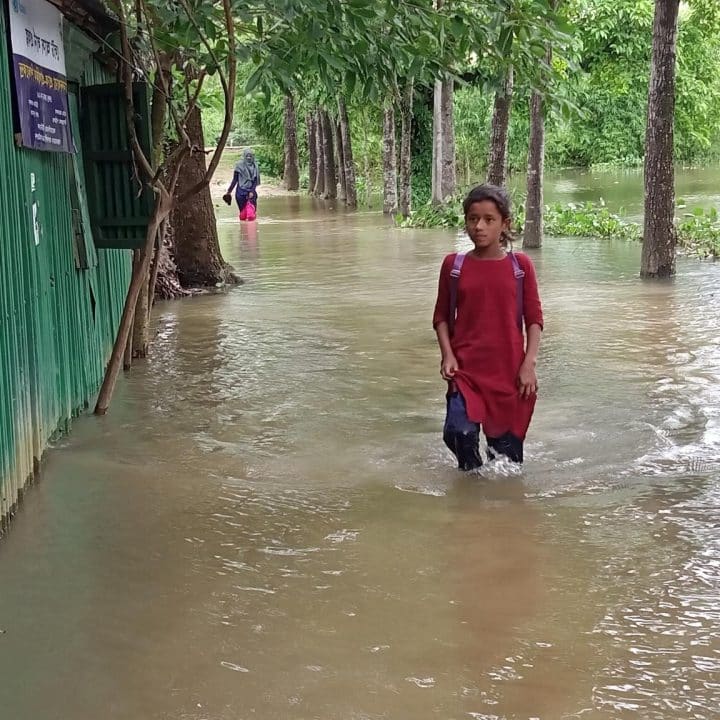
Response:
column 489, row 192
column 496, row 195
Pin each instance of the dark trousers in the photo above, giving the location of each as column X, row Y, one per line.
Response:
column 462, row 436
column 242, row 197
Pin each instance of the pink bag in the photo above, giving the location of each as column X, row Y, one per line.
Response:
column 248, row 212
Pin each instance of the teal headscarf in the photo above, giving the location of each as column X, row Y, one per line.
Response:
column 247, row 170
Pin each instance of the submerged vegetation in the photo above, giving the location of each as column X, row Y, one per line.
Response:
column 698, row 230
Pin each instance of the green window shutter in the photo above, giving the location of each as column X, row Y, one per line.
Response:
column 119, row 206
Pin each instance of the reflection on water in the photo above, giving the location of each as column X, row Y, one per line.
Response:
column 267, row 524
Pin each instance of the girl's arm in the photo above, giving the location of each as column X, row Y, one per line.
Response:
column 235, row 181
column 532, row 346
column 533, row 315
column 527, row 378
column 532, row 309
column 448, row 363
column 443, row 337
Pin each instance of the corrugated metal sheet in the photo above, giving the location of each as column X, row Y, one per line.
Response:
column 57, row 323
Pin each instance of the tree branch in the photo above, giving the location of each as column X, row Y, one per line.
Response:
column 140, row 159
column 179, row 126
column 228, row 86
column 192, row 101
column 205, row 42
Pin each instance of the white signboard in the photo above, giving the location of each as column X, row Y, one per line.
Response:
column 36, row 37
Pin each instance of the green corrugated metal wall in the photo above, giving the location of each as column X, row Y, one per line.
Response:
column 57, row 323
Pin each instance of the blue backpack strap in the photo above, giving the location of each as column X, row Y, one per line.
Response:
column 454, row 280
column 519, row 274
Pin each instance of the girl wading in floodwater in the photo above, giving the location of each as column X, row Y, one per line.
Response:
column 485, row 297
column 246, row 179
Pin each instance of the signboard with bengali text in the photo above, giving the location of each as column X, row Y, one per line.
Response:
column 38, row 57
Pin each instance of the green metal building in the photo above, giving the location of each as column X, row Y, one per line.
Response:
column 64, row 253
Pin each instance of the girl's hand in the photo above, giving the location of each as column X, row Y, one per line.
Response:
column 448, row 367
column 527, row 380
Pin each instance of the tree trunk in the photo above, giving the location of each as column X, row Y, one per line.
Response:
column 448, row 173
column 340, row 162
column 329, row 155
column 159, row 107
column 167, row 285
column 163, row 205
column 366, row 172
column 406, row 104
column 197, row 250
column 141, row 322
column 311, row 125
column 140, row 345
column 139, row 338
column 155, row 271
column 351, row 187
column 533, row 230
column 390, row 180
column 436, row 196
column 497, row 166
column 659, row 237
column 291, row 173
column 128, row 356
column 319, row 188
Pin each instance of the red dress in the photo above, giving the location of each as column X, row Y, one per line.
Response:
column 487, row 342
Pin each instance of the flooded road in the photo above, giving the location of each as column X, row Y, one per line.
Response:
column 267, row 525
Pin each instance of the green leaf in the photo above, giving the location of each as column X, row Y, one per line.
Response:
column 350, row 80
column 505, row 41
column 254, row 80
column 332, row 61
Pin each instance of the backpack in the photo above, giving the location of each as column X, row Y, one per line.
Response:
column 518, row 272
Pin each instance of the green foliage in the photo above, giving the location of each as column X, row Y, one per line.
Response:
column 612, row 46
column 572, row 220
column 699, row 232
column 434, row 216
column 363, row 47
column 421, row 147
column 366, row 133
column 319, row 48
column 618, row 29
column 615, row 46
column 697, row 132
column 473, row 113
column 587, row 220
column 270, row 161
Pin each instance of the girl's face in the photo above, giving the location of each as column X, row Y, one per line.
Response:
column 485, row 225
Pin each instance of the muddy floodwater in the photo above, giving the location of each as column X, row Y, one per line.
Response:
column 267, row 525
